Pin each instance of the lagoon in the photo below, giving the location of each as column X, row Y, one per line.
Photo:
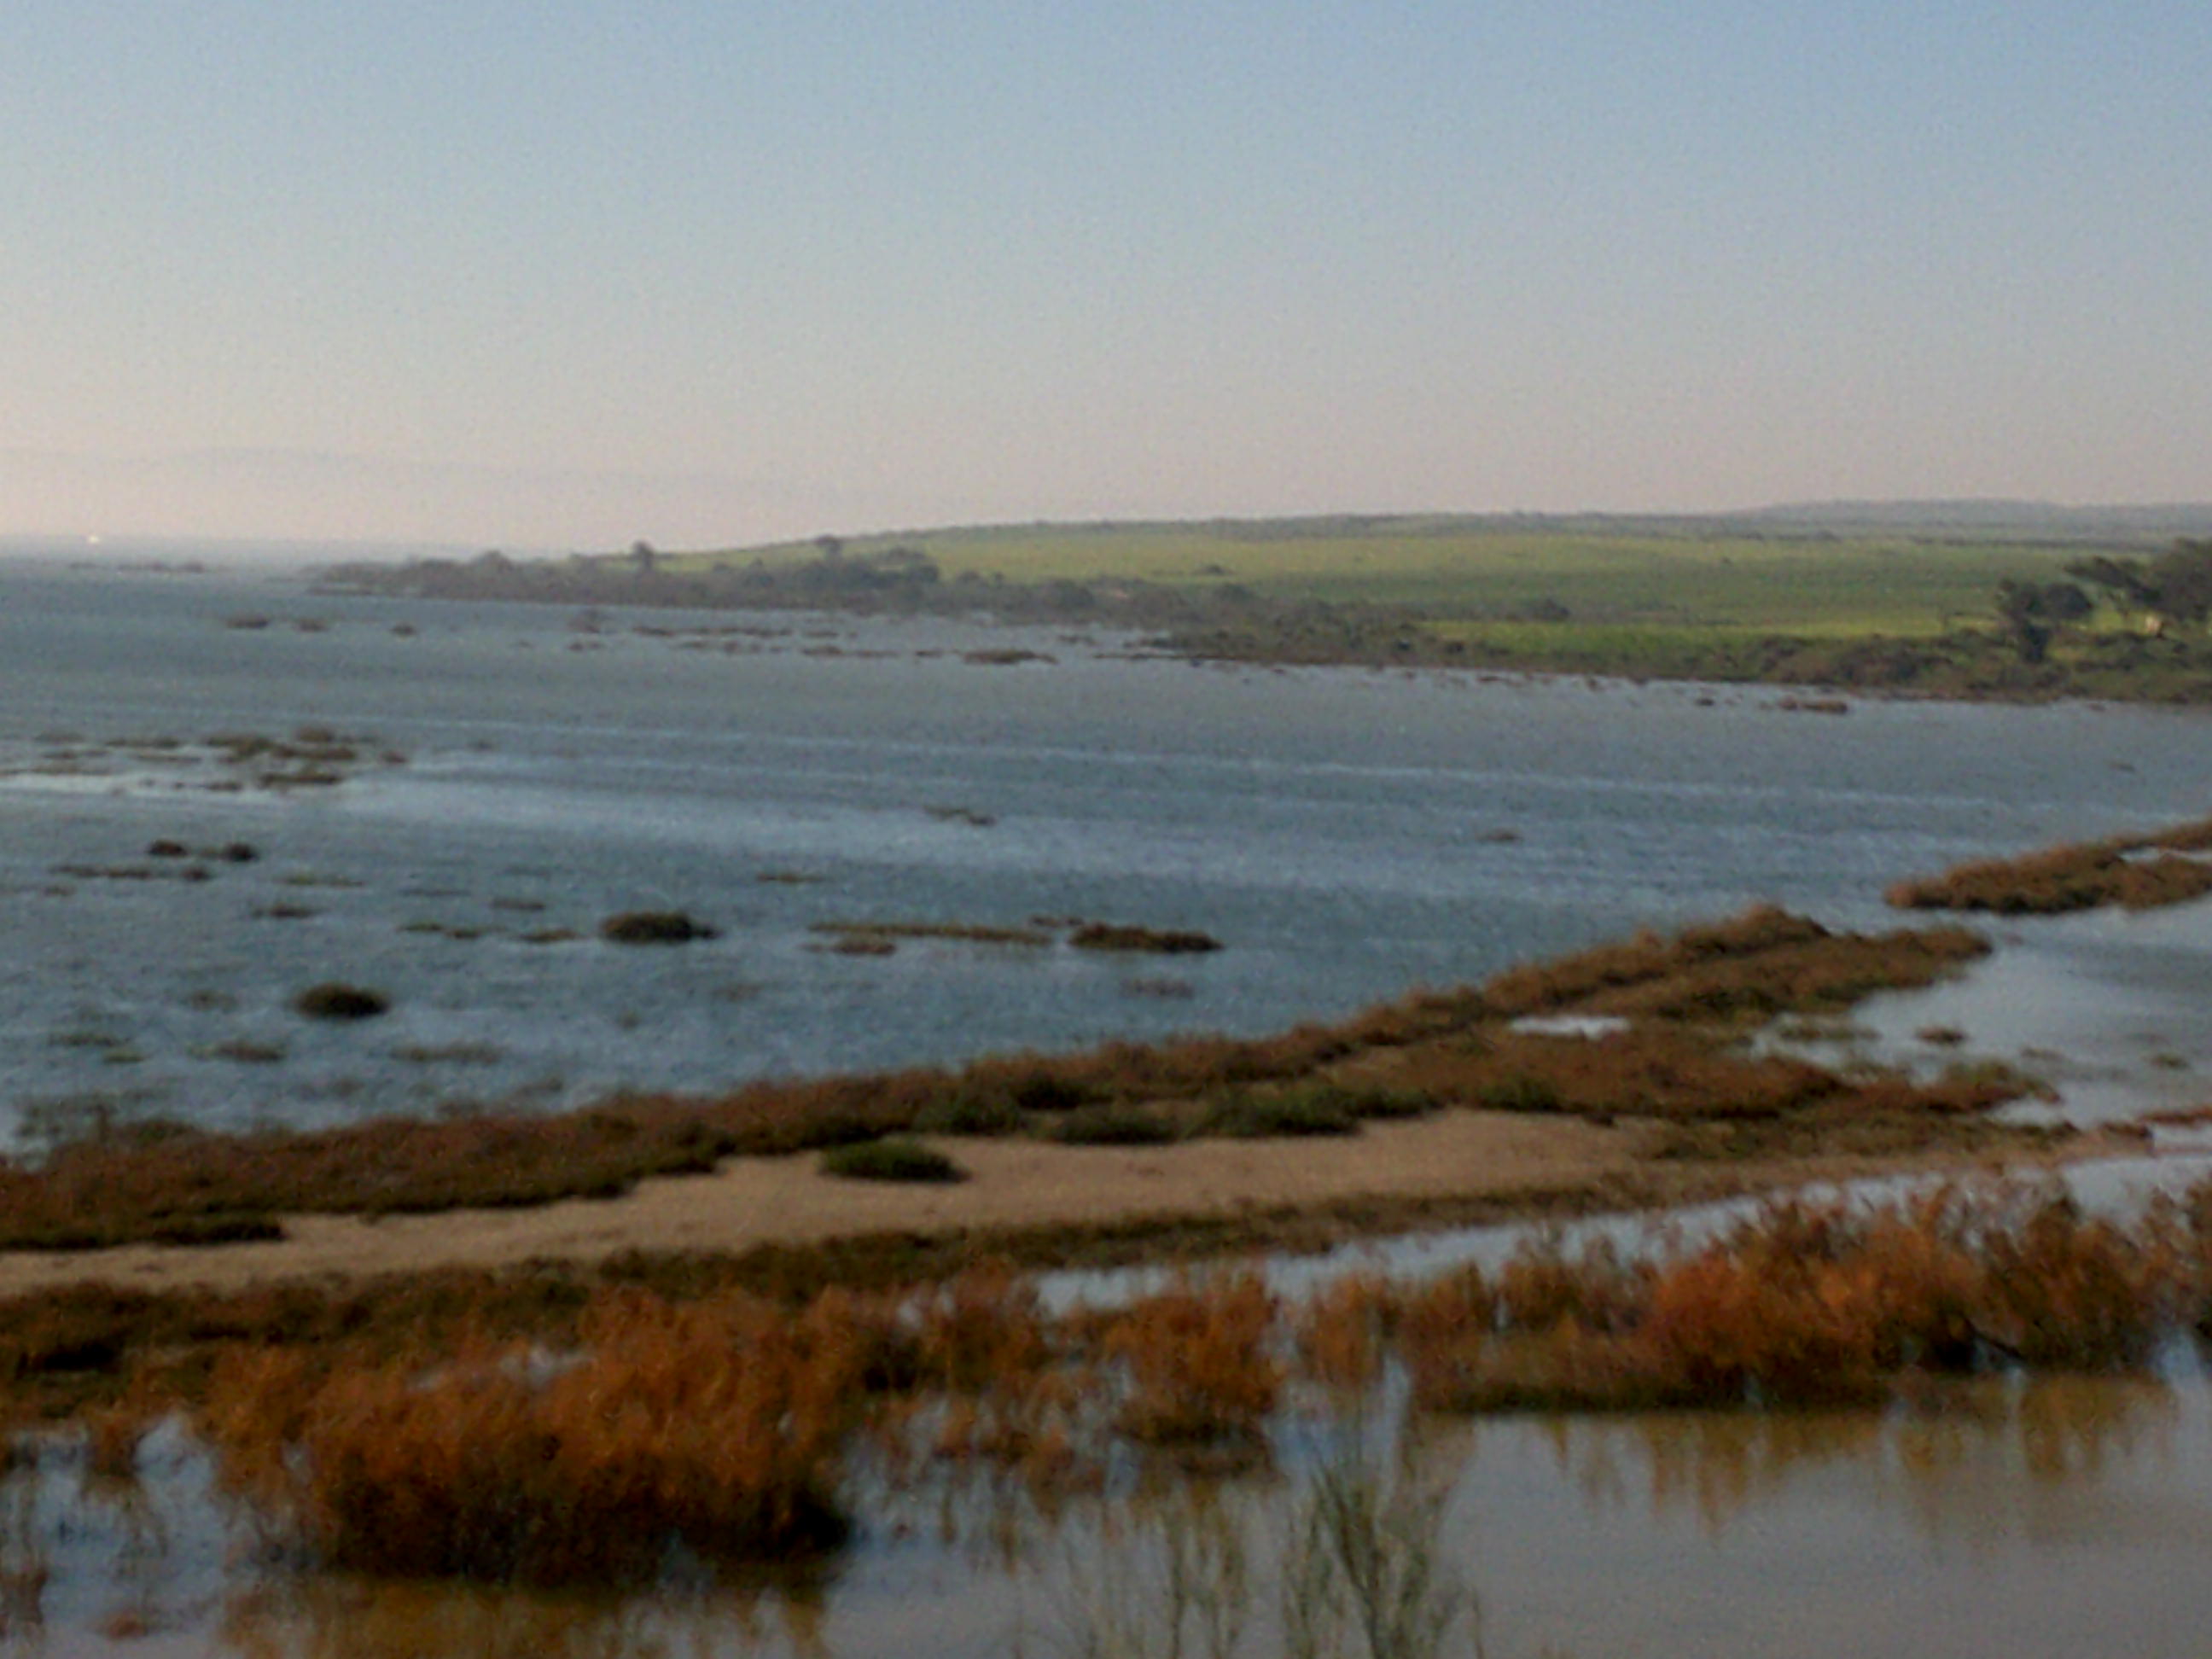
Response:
column 1347, row 834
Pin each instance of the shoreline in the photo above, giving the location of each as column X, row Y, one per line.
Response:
column 1974, row 656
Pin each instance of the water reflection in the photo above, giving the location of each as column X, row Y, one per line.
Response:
column 1959, row 1459
column 324, row 1617
column 2027, row 1517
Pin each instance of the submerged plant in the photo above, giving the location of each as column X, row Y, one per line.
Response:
column 1355, row 1570
column 1365, row 1573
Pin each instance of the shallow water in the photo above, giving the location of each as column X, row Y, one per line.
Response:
column 1347, row 834
column 2056, row 1517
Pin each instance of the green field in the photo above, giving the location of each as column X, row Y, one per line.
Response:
column 1808, row 585
column 1882, row 602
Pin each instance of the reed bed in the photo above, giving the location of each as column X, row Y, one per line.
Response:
column 1201, row 1366
column 1814, row 1303
column 529, row 1428
column 716, row 1430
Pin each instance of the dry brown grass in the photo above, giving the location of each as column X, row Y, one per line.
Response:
column 1809, row 1303
column 1002, row 1376
column 1569, row 981
column 2071, row 1291
column 1342, row 1332
column 532, row 1425
column 983, row 1329
column 2133, row 872
column 1200, row 1363
column 185, row 1185
column 715, row 1428
column 1646, row 1071
column 1764, row 963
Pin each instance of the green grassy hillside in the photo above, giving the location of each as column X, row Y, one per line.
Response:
column 1811, row 584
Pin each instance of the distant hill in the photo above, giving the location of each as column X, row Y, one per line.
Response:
column 2135, row 527
column 2005, row 519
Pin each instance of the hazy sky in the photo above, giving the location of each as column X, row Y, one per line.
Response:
column 549, row 274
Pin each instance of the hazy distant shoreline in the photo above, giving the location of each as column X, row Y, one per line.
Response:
column 1894, row 599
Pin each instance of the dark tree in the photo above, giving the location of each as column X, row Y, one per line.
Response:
column 2174, row 586
column 2030, row 612
column 2020, row 608
column 2183, row 578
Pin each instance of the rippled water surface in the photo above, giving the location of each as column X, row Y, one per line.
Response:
column 1346, row 834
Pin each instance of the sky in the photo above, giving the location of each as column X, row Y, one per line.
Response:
column 540, row 274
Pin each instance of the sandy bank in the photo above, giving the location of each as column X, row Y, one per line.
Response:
column 1395, row 1175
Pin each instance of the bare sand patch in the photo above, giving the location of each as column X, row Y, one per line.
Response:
column 1012, row 1183
column 1393, row 1174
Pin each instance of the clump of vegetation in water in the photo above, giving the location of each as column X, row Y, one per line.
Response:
column 718, row 1428
column 1164, row 941
column 653, row 927
column 1809, row 1303
column 336, row 999
column 863, row 933
column 1200, row 1365
column 2136, row 872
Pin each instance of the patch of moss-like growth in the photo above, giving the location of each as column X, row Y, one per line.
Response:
column 1265, row 1117
column 971, row 1115
column 894, row 1158
column 1111, row 1125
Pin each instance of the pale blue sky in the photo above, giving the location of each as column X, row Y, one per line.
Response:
column 556, row 274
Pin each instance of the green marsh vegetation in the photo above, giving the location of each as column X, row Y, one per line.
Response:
column 894, row 1157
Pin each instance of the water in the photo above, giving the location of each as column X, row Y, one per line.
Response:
column 1347, row 834
column 2036, row 1520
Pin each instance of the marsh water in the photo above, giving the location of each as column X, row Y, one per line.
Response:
column 518, row 774
column 522, row 773
column 2056, row 1517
